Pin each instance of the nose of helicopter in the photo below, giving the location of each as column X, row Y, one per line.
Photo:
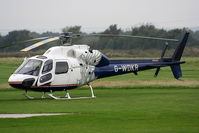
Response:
column 21, row 81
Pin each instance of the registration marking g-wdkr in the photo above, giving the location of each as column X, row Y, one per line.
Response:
column 126, row 68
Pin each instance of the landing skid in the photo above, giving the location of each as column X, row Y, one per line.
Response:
column 67, row 96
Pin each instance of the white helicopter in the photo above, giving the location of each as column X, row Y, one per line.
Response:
column 66, row 67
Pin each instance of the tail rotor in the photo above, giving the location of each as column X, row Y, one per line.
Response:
column 161, row 59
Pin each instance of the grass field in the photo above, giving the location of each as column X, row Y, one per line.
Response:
column 124, row 104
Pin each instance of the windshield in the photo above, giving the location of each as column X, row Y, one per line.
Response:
column 31, row 67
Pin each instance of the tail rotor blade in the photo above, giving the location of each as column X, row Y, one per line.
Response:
column 157, row 71
column 164, row 50
column 161, row 58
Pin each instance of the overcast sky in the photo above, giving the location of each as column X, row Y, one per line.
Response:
column 96, row 15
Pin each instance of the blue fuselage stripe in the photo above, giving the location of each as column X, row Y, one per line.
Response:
column 117, row 69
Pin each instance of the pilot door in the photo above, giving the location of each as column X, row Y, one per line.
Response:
column 46, row 75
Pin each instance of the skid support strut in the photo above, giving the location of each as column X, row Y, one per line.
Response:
column 27, row 96
column 92, row 93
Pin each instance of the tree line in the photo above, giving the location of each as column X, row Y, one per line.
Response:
column 98, row 42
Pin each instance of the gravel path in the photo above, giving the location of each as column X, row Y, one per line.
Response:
column 28, row 115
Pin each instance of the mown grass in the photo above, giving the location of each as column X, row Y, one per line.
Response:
column 148, row 105
column 119, row 110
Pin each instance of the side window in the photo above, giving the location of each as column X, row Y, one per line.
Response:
column 48, row 65
column 61, row 67
column 45, row 78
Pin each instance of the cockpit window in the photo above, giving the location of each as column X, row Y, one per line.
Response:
column 48, row 65
column 61, row 67
column 31, row 67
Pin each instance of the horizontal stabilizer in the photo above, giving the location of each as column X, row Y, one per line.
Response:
column 164, row 64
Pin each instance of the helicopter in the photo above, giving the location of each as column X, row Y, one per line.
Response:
column 66, row 67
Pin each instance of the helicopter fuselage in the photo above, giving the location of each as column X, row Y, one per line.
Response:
column 68, row 67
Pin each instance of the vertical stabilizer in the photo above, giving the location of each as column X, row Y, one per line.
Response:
column 180, row 48
column 176, row 69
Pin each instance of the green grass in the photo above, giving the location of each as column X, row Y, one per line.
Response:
column 7, row 67
column 122, row 109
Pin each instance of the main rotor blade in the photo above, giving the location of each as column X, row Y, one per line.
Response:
column 35, row 39
column 131, row 36
column 10, row 45
column 39, row 44
column 23, row 42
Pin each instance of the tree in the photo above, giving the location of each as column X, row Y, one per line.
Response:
column 74, row 29
column 48, row 33
column 112, row 29
column 16, row 36
column 1, row 39
column 107, row 42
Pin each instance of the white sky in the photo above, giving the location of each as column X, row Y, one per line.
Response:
column 96, row 15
